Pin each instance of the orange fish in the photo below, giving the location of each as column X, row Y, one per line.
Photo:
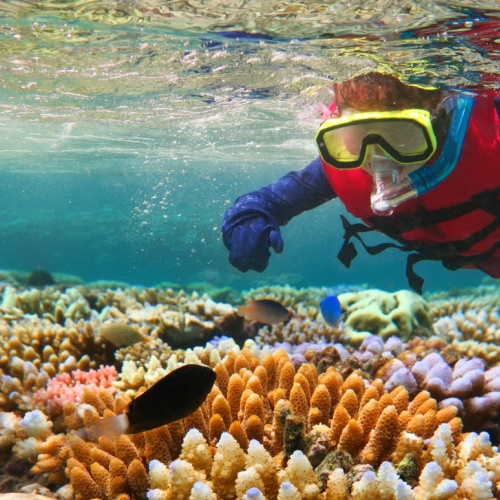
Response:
column 265, row 311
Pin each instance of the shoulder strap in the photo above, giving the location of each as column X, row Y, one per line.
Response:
column 348, row 251
column 486, row 200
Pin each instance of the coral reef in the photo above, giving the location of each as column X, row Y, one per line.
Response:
column 45, row 332
column 304, row 411
column 264, row 424
column 375, row 312
column 365, row 313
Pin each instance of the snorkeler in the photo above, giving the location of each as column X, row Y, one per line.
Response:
column 419, row 165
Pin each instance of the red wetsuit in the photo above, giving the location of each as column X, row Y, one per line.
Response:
column 457, row 222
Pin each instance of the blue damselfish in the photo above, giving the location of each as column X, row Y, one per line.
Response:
column 331, row 310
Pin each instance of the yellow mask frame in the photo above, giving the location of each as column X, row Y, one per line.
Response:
column 407, row 136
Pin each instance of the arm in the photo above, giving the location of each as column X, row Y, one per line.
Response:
column 251, row 226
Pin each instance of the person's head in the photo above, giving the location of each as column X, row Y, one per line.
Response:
column 386, row 127
column 382, row 92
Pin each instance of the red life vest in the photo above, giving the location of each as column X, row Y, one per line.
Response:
column 458, row 222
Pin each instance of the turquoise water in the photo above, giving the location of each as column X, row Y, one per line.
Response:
column 128, row 128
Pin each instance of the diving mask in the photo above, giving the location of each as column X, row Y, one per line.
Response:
column 399, row 139
column 406, row 136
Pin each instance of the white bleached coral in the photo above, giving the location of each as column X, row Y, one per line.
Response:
column 249, row 480
column 391, row 486
column 202, row 491
column 260, row 459
column 366, row 487
column 254, row 494
column 337, row 487
column 26, row 449
column 300, row 473
column 288, row 492
column 10, row 426
column 195, row 450
column 182, row 478
column 433, row 485
column 476, row 484
column 229, row 459
column 158, row 474
column 36, row 424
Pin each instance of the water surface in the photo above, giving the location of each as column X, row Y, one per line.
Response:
column 129, row 127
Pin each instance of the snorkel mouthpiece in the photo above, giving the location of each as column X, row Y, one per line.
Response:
column 390, row 189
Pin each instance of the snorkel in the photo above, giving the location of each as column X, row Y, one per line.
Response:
column 390, row 188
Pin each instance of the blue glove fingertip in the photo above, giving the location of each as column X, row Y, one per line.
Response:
column 276, row 241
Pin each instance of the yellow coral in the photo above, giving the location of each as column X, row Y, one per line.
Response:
column 229, row 459
column 376, row 312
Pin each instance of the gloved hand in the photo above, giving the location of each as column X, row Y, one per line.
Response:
column 249, row 240
column 252, row 226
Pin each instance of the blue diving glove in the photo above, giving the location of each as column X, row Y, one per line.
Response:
column 252, row 226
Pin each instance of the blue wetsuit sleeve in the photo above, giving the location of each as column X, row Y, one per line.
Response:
column 296, row 192
column 251, row 225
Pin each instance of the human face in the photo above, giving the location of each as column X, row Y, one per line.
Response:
column 377, row 154
column 348, row 141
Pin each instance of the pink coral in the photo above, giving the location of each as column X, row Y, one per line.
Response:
column 465, row 380
column 69, row 386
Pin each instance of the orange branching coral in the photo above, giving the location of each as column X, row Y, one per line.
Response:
column 298, row 400
column 280, row 431
column 322, row 401
column 338, row 416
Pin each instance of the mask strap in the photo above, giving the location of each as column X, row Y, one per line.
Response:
column 426, row 178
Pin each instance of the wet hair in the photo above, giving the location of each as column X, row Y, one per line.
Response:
column 383, row 92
